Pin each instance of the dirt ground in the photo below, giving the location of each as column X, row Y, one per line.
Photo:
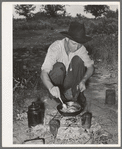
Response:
column 104, row 124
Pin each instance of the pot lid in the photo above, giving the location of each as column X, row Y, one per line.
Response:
column 34, row 106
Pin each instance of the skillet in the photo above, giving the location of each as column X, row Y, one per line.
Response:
column 78, row 108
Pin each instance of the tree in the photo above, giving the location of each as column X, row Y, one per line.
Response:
column 111, row 14
column 78, row 15
column 96, row 10
column 25, row 10
column 54, row 10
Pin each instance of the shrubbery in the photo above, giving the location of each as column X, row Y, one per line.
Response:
column 104, row 47
column 31, row 25
column 111, row 14
column 99, row 26
column 102, row 26
column 103, row 30
column 63, row 21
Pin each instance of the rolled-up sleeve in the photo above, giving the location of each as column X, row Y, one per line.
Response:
column 85, row 57
column 51, row 57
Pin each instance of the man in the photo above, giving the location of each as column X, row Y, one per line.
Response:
column 67, row 65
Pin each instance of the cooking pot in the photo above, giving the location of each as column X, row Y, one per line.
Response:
column 78, row 107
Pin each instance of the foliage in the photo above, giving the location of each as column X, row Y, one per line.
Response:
column 23, row 77
column 25, row 10
column 79, row 16
column 64, row 21
column 102, row 26
column 40, row 16
column 33, row 25
column 111, row 14
column 104, row 47
column 103, row 30
column 96, row 10
column 54, row 10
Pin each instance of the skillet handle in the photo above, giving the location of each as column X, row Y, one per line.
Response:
column 38, row 138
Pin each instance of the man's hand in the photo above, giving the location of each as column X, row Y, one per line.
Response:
column 55, row 91
column 81, row 86
column 87, row 75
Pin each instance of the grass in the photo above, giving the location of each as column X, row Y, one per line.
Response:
column 34, row 25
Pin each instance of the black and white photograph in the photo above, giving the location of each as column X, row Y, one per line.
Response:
column 62, row 63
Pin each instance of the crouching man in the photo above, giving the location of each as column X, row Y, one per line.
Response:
column 67, row 65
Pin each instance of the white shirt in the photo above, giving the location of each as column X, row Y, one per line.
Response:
column 56, row 53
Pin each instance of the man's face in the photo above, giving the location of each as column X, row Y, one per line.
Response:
column 73, row 46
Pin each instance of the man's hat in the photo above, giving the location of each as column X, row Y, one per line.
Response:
column 77, row 32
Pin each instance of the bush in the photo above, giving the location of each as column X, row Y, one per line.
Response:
column 31, row 25
column 102, row 26
column 104, row 47
column 111, row 14
column 63, row 21
column 40, row 15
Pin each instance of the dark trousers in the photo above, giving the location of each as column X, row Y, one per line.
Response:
column 68, row 80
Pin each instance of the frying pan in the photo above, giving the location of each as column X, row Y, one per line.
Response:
column 79, row 109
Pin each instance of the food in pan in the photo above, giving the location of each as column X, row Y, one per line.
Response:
column 71, row 108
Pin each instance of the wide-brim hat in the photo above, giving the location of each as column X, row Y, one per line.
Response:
column 77, row 32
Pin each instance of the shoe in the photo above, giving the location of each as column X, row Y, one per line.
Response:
column 81, row 100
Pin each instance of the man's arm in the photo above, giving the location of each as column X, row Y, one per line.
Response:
column 50, row 59
column 87, row 75
column 46, row 80
column 54, row 90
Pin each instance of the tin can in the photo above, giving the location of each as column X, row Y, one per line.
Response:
column 35, row 114
column 110, row 97
column 54, row 126
column 86, row 120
